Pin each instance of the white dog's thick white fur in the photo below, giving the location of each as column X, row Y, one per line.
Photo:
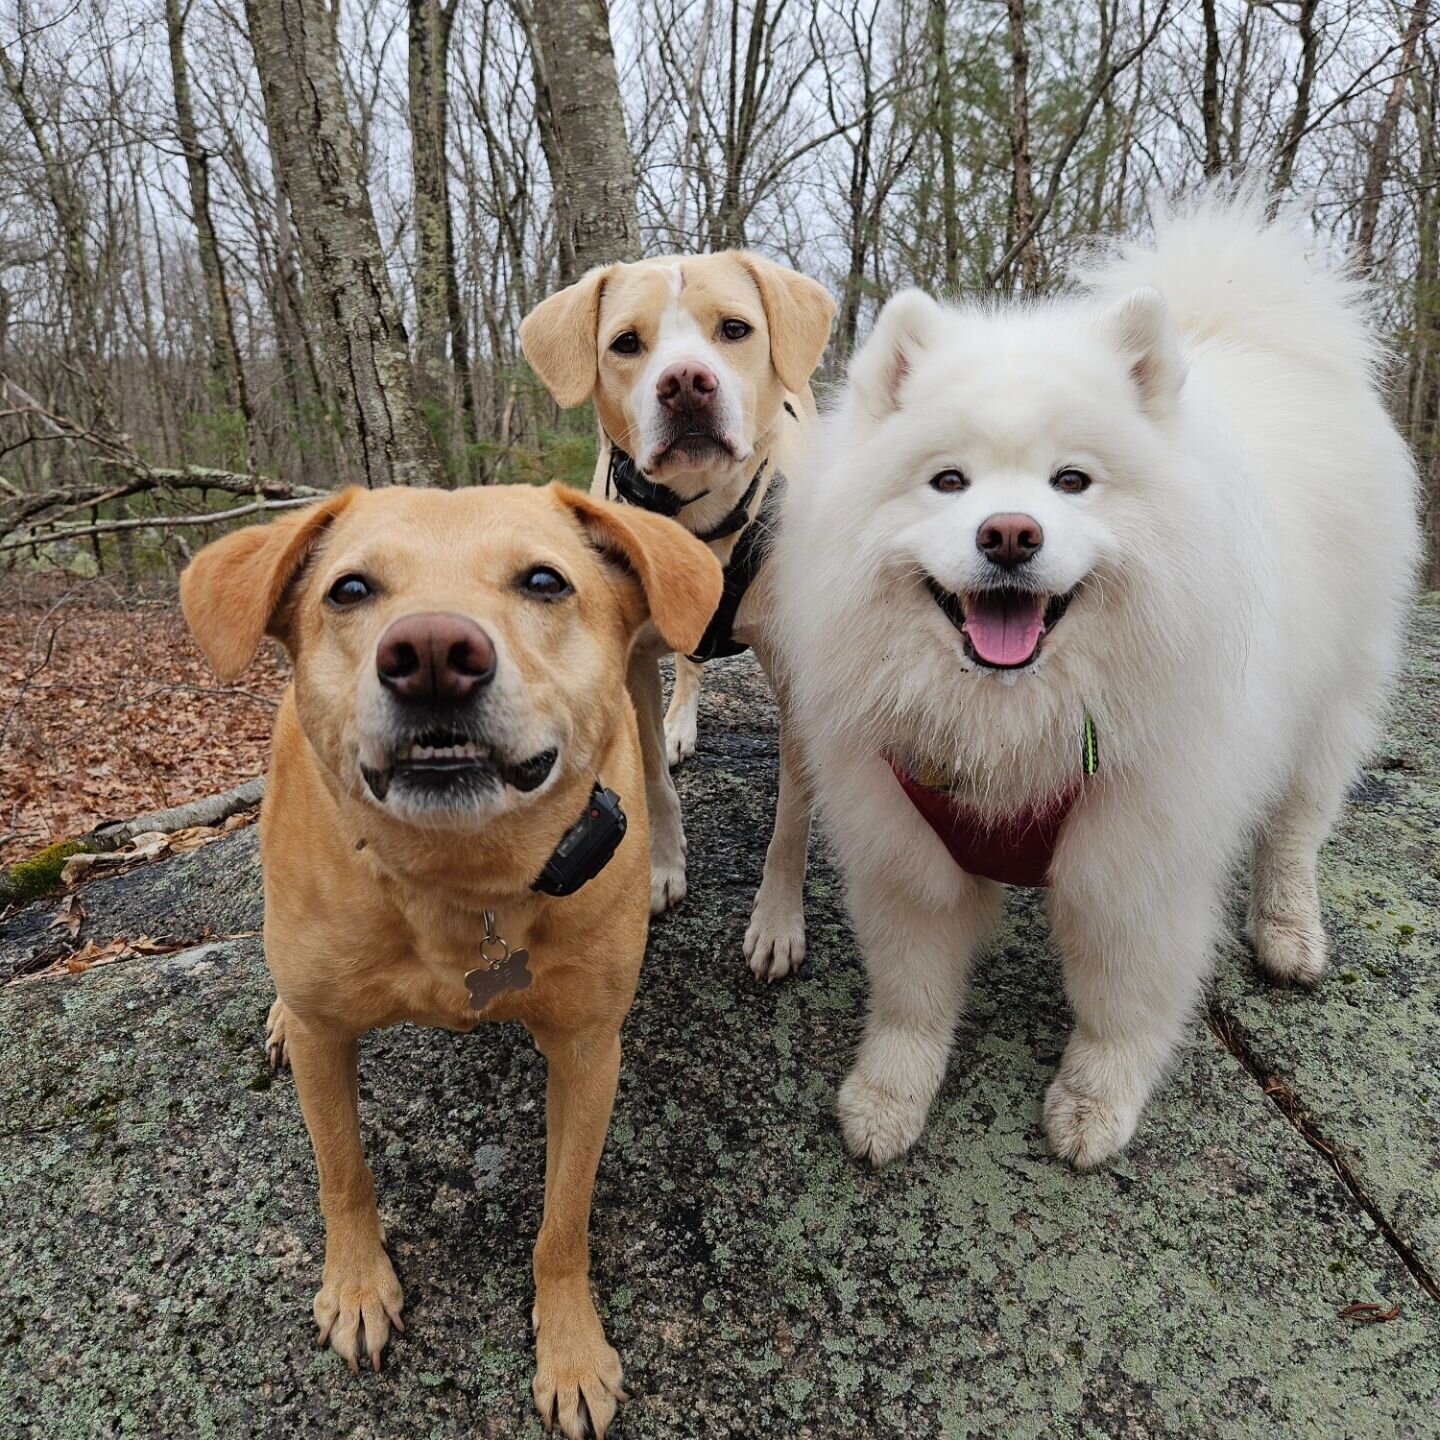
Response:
column 1243, row 557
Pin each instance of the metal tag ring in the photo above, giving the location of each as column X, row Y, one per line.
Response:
column 494, row 951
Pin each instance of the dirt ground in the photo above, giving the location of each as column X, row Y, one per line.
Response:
column 108, row 710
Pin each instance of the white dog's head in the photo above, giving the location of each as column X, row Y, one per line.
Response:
column 1007, row 458
column 688, row 358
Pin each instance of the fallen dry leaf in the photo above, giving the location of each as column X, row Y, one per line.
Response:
column 69, row 916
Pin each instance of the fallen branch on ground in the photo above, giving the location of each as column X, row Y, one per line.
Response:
column 212, row 810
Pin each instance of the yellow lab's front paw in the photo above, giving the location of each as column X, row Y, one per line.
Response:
column 577, row 1374
column 277, row 1050
column 357, row 1305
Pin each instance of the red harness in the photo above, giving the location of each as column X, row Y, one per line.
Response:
column 1015, row 850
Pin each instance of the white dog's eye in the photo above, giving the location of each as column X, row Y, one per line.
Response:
column 350, row 590
column 735, row 329
column 1071, row 482
column 627, row 343
column 948, row 482
column 545, row 584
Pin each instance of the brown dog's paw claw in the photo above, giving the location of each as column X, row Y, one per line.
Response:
column 577, row 1377
column 356, row 1311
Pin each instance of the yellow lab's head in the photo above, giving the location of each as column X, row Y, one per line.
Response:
column 688, row 358
column 457, row 653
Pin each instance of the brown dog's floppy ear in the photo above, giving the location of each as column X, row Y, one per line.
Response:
column 232, row 589
column 798, row 311
column 681, row 579
column 558, row 338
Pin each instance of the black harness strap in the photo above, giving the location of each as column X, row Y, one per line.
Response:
column 739, row 517
column 748, row 556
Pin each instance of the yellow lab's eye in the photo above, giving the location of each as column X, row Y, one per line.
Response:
column 350, row 590
column 735, row 329
column 544, row 583
column 626, row 343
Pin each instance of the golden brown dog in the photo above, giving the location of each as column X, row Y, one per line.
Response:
column 700, row 368
column 459, row 689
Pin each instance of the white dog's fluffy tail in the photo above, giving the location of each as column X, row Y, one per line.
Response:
column 1229, row 273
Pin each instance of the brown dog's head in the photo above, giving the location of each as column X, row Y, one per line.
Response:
column 689, row 358
column 455, row 652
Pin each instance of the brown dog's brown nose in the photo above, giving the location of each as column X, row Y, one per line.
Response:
column 435, row 658
column 1009, row 540
column 685, row 388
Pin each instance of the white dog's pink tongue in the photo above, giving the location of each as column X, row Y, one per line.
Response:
column 1004, row 626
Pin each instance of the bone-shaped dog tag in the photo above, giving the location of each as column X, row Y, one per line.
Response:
column 502, row 968
column 511, row 973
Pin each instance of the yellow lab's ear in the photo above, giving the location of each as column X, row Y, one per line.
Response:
column 681, row 579
column 558, row 338
column 232, row 590
column 798, row 311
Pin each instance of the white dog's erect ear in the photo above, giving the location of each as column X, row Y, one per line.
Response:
column 558, row 338
column 798, row 312
column 1139, row 328
column 907, row 326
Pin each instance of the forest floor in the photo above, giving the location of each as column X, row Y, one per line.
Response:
column 108, row 710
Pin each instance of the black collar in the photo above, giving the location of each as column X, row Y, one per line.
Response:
column 586, row 847
column 635, row 488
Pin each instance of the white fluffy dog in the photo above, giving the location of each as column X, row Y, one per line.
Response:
column 1096, row 591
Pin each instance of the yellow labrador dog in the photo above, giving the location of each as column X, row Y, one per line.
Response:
column 444, row 836
column 700, row 369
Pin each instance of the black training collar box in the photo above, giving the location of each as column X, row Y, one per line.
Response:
column 586, row 847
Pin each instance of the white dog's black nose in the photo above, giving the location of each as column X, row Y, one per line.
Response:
column 1009, row 540
column 434, row 657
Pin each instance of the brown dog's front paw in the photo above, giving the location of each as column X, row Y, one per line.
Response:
column 356, row 1306
column 577, row 1374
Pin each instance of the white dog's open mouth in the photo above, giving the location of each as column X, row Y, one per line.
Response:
column 451, row 768
column 1003, row 628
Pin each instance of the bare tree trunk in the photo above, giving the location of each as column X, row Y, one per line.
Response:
column 1304, row 84
column 346, row 287
column 439, row 317
column 692, row 124
column 1210, row 91
column 78, row 275
column 592, row 168
column 1024, row 191
column 225, row 367
column 945, row 138
column 1379, row 165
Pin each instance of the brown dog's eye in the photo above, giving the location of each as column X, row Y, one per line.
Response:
column 948, row 482
column 1071, row 482
column 545, row 584
column 349, row 590
column 735, row 329
column 626, row 344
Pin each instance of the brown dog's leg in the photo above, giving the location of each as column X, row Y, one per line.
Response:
column 360, row 1298
column 576, row 1371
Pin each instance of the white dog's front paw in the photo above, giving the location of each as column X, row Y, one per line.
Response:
column 775, row 939
column 1084, row 1129
column 680, row 741
column 878, row 1124
column 1291, row 947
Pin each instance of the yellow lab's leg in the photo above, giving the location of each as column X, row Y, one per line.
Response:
column 577, row 1374
column 681, row 717
column 360, row 1298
